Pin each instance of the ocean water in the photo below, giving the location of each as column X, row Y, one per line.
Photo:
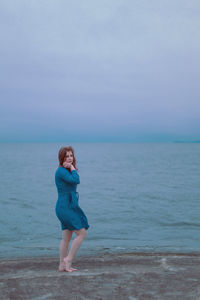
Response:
column 137, row 197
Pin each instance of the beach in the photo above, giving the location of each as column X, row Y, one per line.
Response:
column 108, row 276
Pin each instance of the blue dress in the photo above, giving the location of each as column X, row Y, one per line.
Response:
column 67, row 209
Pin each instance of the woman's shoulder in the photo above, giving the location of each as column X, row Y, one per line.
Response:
column 61, row 170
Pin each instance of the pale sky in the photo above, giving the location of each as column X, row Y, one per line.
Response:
column 99, row 70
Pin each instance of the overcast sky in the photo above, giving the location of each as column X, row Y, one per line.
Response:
column 99, row 70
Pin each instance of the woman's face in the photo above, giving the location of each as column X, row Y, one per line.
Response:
column 69, row 157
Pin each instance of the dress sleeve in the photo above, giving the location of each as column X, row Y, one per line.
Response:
column 69, row 177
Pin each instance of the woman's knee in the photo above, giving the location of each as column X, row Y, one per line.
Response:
column 82, row 233
column 66, row 235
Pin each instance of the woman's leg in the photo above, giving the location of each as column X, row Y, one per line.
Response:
column 76, row 243
column 64, row 244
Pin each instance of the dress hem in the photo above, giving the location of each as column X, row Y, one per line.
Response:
column 86, row 228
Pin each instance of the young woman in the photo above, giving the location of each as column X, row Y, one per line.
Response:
column 68, row 211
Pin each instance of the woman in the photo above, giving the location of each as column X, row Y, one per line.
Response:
column 68, row 211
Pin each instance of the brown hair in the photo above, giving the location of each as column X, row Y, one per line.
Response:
column 62, row 154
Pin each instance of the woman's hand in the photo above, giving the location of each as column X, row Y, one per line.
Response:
column 68, row 165
column 72, row 167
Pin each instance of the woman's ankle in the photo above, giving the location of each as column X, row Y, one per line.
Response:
column 62, row 261
column 69, row 259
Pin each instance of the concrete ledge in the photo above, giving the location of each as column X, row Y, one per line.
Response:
column 170, row 276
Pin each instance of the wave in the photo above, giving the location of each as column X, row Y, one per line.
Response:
column 180, row 224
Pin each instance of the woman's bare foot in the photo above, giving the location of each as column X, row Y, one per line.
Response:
column 68, row 263
column 73, row 269
column 62, row 267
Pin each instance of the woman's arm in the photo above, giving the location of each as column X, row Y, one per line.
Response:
column 69, row 177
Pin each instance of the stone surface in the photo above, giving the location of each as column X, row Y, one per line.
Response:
column 128, row 276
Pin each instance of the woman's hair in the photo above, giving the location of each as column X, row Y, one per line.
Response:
column 62, row 154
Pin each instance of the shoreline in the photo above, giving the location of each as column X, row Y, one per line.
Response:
column 125, row 275
column 102, row 253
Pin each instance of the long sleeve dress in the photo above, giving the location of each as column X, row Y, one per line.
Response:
column 67, row 208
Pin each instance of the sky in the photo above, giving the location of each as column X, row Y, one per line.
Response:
column 99, row 71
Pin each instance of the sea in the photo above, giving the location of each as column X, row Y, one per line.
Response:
column 138, row 197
